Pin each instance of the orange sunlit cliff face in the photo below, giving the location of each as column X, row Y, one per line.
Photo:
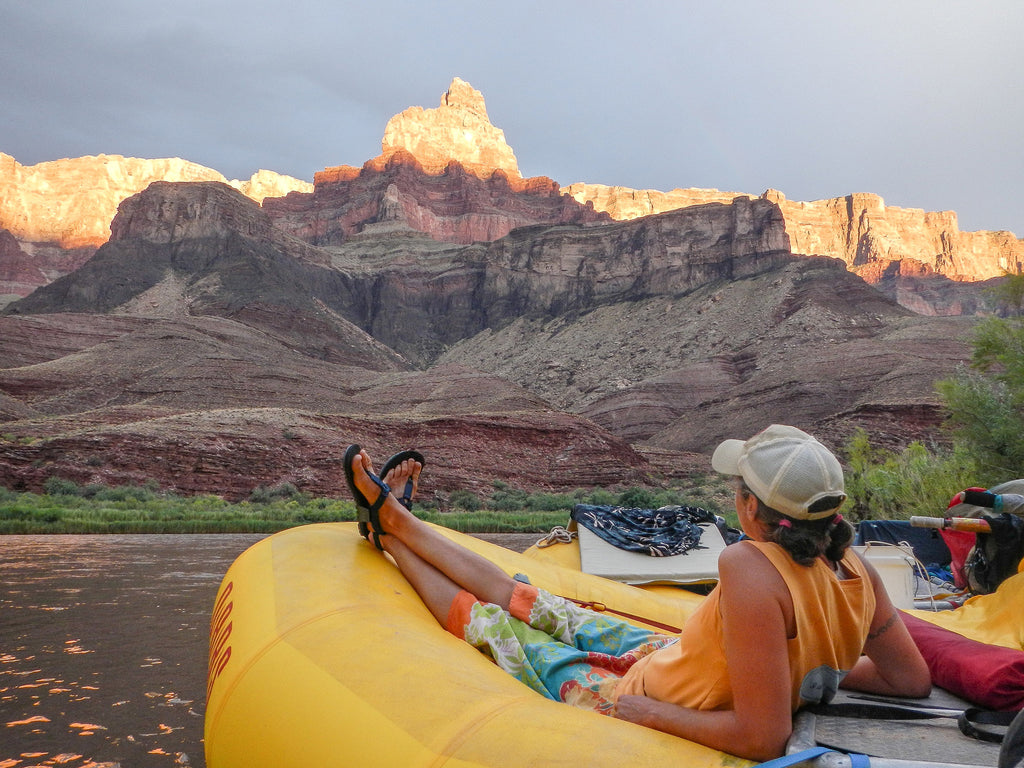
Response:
column 70, row 203
column 458, row 129
column 448, row 173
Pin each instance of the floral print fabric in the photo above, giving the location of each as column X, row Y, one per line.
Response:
column 563, row 651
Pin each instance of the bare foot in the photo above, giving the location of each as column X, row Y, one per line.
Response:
column 404, row 479
column 361, row 464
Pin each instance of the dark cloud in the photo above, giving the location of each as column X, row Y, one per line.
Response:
column 920, row 102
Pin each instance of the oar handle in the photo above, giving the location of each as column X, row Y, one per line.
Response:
column 969, row 524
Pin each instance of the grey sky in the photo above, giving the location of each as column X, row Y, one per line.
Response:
column 920, row 101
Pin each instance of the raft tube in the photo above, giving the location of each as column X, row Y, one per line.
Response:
column 322, row 654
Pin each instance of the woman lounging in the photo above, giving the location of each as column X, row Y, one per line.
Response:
column 794, row 615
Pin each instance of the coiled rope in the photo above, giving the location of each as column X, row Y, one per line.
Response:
column 557, row 535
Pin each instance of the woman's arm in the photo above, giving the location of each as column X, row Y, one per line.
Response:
column 754, row 604
column 892, row 663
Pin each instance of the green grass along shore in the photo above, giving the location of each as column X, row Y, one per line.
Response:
column 67, row 508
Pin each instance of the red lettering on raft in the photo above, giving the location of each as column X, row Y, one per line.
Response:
column 220, row 634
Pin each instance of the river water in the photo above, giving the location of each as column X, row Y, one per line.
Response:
column 103, row 646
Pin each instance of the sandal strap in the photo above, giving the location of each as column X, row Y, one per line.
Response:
column 374, row 509
column 406, row 498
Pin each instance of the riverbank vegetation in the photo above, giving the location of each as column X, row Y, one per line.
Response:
column 66, row 507
column 983, row 440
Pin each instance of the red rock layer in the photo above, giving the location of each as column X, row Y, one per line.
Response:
column 451, row 206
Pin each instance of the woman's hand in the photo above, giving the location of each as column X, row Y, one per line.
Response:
column 635, row 709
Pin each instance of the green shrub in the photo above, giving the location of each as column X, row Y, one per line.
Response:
column 986, row 403
column 505, row 499
column 59, row 486
column 600, row 497
column 1009, row 293
column 263, row 494
column 985, row 419
column 15, row 512
column 46, row 516
column 642, row 498
column 885, row 485
column 123, row 493
column 550, row 502
column 465, row 500
column 90, row 490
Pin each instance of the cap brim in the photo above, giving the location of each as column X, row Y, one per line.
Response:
column 726, row 458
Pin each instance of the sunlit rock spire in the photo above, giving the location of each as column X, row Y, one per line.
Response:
column 458, row 129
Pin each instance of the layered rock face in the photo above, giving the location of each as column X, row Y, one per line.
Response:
column 60, row 211
column 224, row 252
column 860, row 229
column 204, row 249
column 863, row 231
column 446, row 172
column 549, row 272
column 20, row 274
column 264, row 184
column 458, row 130
column 449, row 173
column 234, row 355
column 398, row 194
column 71, row 202
column 623, row 203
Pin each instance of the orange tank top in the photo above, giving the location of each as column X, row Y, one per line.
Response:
column 832, row 618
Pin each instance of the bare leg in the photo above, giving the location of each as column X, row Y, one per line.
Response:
column 435, row 589
column 463, row 568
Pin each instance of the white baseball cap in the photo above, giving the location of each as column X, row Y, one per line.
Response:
column 786, row 468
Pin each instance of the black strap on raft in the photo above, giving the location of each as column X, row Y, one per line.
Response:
column 877, row 711
column 984, row 725
column 974, row 722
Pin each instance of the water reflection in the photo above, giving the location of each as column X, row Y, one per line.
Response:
column 103, row 645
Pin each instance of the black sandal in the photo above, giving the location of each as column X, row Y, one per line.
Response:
column 406, row 498
column 366, row 513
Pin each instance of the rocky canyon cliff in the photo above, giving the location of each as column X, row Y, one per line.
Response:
column 217, row 339
column 870, row 237
column 450, row 173
column 59, row 212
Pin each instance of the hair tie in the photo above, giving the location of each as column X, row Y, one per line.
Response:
column 785, row 523
column 837, row 519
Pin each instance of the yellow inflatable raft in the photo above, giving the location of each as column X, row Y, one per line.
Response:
column 321, row 654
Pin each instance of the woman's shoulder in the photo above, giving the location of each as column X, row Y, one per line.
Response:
column 749, row 550
column 748, row 558
column 748, row 577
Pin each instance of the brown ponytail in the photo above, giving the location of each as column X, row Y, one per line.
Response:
column 807, row 540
